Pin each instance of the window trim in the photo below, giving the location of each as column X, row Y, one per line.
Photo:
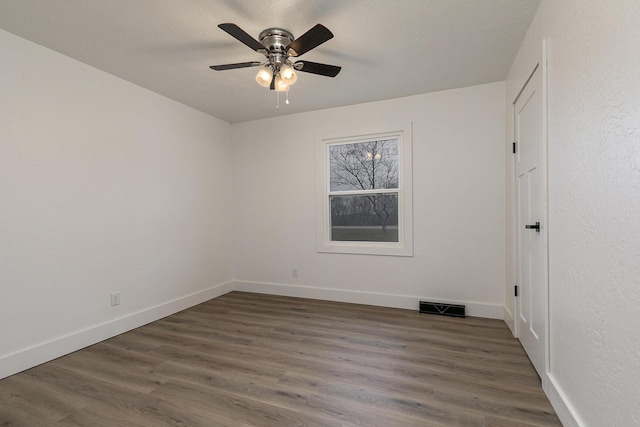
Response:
column 404, row 246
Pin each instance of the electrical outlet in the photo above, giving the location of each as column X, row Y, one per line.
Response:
column 115, row 298
column 294, row 271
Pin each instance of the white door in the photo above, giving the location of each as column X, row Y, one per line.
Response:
column 531, row 229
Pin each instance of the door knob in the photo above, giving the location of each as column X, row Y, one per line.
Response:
column 536, row 227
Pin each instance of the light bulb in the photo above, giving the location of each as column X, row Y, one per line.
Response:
column 264, row 76
column 288, row 74
column 280, row 85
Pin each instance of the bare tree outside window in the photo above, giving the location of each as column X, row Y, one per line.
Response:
column 363, row 191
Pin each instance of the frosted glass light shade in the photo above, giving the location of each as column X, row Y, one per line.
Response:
column 280, row 85
column 288, row 74
column 264, row 76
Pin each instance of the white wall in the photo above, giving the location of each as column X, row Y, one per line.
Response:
column 458, row 200
column 594, row 205
column 104, row 186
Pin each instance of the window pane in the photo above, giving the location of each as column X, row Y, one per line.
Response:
column 370, row 165
column 366, row 218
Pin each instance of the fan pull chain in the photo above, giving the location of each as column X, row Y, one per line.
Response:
column 278, row 99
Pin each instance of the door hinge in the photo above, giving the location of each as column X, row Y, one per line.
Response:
column 515, row 290
column 514, row 148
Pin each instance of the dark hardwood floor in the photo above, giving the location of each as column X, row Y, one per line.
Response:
column 258, row 360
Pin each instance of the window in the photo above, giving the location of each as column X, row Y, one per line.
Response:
column 364, row 192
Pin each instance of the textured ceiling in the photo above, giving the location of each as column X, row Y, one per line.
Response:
column 387, row 49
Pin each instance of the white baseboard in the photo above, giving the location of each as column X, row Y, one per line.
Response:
column 27, row 358
column 565, row 411
column 490, row 311
column 509, row 320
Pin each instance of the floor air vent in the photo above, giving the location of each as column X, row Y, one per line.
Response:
column 442, row 309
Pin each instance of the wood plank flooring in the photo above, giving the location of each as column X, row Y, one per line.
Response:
column 258, row 360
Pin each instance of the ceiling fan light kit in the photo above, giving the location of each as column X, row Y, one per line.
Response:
column 288, row 75
column 280, row 85
column 278, row 72
column 264, row 76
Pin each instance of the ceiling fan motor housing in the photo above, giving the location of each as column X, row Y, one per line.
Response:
column 276, row 40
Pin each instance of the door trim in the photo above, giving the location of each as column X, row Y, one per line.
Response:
column 545, row 210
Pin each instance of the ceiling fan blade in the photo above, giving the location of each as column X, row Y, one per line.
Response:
column 234, row 31
column 234, row 66
column 309, row 40
column 317, row 68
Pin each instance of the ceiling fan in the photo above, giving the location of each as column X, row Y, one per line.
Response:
column 278, row 72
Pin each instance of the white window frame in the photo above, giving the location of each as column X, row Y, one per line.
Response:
column 404, row 246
